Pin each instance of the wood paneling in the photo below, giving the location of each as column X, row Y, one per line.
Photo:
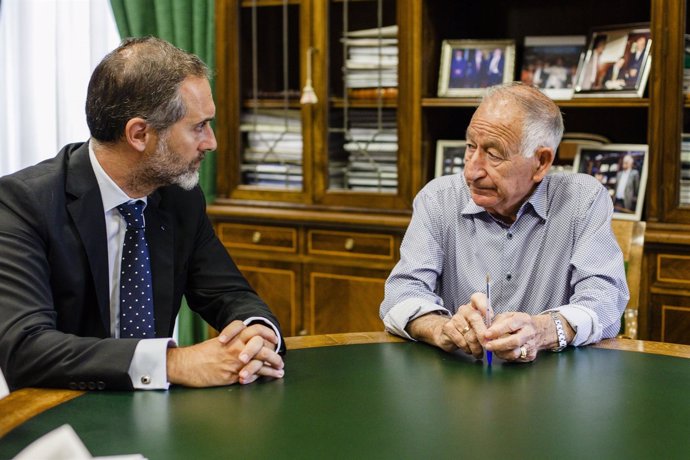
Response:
column 344, row 302
column 675, row 324
column 279, row 288
column 673, row 268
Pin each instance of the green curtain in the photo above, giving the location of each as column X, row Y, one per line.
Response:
column 190, row 25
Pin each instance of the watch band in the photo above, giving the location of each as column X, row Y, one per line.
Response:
column 562, row 343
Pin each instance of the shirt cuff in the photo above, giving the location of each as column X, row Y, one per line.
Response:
column 584, row 322
column 148, row 369
column 402, row 313
column 254, row 319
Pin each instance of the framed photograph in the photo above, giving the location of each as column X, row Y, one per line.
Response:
column 470, row 66
column 450, row 157
column 550, row 63
column 616, row 63
column 622, row 169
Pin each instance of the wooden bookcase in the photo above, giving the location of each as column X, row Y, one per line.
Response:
column 320, row 255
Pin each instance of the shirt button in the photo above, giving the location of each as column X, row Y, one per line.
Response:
column 509, row 235
column 509, row 276
column 145, row 379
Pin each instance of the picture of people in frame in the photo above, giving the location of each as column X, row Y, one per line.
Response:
column 550, row 63
column 622, row 171
column 450, row 157
column 617, row 62
column 470, row 66
column 476, row 67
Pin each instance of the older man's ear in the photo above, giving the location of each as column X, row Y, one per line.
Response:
column 543, row 158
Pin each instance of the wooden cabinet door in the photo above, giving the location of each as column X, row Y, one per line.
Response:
column 279, row 285
column 343, row 299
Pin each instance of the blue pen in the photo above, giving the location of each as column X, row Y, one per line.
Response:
column 489, row 355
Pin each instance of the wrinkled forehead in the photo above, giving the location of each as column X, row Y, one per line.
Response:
column 499, row 112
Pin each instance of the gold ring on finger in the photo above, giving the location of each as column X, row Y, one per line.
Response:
column 523, row 352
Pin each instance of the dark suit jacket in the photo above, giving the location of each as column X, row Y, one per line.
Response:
column 54, row 301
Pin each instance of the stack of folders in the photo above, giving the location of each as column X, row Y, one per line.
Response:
column 371, row 141
column 685, row 169
column 272, row 154
column 371, row 69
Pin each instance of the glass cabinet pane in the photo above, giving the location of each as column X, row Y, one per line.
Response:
column 362, row 138
column 272, row 150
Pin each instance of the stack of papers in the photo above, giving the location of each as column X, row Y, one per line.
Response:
column 64, row 444
column 372, row 58
column 272, row 154
column 371, row 142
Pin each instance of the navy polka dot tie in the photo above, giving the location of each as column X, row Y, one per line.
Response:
column 136, row 293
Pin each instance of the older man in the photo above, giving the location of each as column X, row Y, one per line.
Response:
column 99, row 244
column 557, row 273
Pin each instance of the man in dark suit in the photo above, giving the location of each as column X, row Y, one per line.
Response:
column 634, row 67
column 148, row 108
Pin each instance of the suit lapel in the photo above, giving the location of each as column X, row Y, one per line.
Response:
column 86, row 210
column 160, row 238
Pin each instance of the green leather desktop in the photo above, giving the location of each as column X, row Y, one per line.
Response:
column 399, row 400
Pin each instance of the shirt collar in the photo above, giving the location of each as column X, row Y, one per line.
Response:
column 537, row 202
column 111, row 194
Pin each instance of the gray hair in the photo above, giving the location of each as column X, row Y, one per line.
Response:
column 542, row 124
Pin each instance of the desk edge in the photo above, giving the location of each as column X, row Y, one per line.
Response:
column 21, row 405
column 329, row 340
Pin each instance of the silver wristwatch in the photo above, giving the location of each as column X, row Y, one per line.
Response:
column 562, row 343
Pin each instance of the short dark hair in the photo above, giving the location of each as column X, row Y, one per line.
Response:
column 140, row 78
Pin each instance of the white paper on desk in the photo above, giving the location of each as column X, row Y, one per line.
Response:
column 4, row 390
column 63, row 444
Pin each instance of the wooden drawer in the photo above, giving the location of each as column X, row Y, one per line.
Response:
column 350, row 244
column 261, row 237
column 672, row 268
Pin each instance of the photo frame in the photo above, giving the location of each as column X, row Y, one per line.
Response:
column 550, row 63
column 450, row 157
column 616, row 63
column 622, row 169
column 468, row 67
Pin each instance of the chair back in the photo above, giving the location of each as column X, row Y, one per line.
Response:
column 630, row 236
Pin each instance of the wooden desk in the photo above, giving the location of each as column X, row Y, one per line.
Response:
column 383, row 397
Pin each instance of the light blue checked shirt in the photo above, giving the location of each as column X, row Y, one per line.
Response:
column 560, row 254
